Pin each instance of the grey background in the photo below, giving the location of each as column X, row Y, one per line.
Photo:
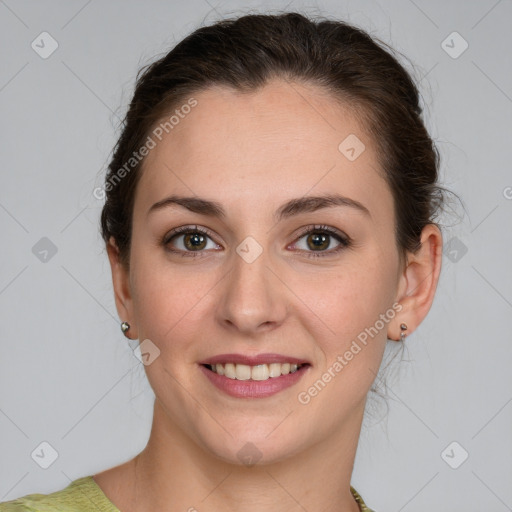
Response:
column 67, row 374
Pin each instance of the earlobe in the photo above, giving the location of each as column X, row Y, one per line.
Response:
column 419, row 280
column 121, row 285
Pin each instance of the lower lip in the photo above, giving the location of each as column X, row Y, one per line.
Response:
column 253, row 388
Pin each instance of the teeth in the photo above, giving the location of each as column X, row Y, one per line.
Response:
column 274, row 369
column 229, row 370
column 242, row 372
column 258, row 372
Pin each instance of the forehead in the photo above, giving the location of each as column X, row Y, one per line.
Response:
column 246, row 149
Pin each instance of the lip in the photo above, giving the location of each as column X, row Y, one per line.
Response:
column 253, row 360
column 253, row 388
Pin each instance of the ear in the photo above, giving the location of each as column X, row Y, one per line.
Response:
column 122, row 288
column 418, row 282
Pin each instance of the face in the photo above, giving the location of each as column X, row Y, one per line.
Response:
column 314, row 282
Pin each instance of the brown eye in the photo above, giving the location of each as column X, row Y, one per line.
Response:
column 194, row 241
column 318, row 241
column 187, row 240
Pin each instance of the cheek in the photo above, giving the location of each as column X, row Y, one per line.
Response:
column 349, row 309
column 351, row 338
column 168, row 300
column 349, row 298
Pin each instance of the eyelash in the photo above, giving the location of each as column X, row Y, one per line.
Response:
column 344, row 240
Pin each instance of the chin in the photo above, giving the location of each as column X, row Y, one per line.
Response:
column 247, row 450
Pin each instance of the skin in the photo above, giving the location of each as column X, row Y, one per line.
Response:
column 252, row 152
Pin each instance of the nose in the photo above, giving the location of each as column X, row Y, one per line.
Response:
column 253, row 297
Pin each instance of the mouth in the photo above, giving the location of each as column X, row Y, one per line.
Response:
column 258, row 372
column 253, row 376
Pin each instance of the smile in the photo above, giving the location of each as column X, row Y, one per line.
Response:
column 257, row 372
column 253, row 381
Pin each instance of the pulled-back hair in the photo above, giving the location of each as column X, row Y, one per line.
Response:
column 245, row 53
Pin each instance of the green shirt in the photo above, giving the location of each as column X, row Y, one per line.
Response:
column 85, row 495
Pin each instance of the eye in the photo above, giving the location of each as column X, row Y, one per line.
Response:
column 191, row 241
column 188, row 241
column 318, row 240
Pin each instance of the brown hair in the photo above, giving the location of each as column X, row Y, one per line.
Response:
column 244, row 53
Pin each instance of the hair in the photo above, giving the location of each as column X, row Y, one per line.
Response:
column 245, row 53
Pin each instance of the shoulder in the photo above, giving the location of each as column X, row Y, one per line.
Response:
column 362, row 505
column 81, row 495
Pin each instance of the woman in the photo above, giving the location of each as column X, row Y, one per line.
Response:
column 269, row 221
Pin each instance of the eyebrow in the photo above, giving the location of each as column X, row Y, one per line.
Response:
column 289, row 209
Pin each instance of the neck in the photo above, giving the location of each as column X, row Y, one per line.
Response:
column 172, row 469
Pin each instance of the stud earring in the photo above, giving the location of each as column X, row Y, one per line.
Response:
column 403, row 327
column 124, row 327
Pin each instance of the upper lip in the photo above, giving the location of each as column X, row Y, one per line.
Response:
column 253, row 360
